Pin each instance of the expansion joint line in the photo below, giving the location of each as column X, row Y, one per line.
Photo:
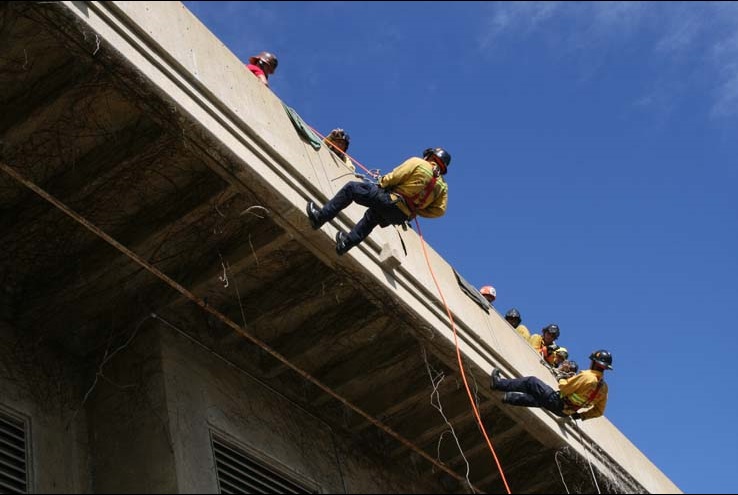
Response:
column 236, row 328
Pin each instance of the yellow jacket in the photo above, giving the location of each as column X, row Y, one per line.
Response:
column 523, row 331
column 410, row 179
column 536, row 342
column 577, row 394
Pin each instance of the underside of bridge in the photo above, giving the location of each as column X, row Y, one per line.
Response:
column 85, row 127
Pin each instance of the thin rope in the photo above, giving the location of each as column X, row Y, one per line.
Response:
column 202, row 304
column 436, row 382
column 458, row 357
column 586, row 455
column 556, row 458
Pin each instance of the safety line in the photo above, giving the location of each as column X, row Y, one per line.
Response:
column 453, row 326
column 458, row 357
column 586, row 454
column 202, row 304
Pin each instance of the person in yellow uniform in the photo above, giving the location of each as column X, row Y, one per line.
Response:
column 513, row 318
column 583, row 396
column 416, row 187
column 545, row 344
column 338, row 142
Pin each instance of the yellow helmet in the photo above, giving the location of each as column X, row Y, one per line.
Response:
column 562, row 352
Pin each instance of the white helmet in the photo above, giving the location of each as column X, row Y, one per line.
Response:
column 489, row 293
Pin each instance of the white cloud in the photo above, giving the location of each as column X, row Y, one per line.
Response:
column 725, row 56
column 680, row 33
column 619, row 18
column 518, row 17
column 705, row 34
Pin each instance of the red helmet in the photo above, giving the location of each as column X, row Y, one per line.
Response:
column 266, row 61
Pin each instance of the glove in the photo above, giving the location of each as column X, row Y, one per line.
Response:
column 576, row 416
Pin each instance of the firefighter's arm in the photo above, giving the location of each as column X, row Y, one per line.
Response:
column 398, row 175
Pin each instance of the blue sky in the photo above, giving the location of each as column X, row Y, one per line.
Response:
column 594, row 179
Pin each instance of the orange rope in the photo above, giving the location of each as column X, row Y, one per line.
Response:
column 458, row 357
column 453, row 326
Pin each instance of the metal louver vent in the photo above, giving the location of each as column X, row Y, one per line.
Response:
column 13, row 472
column 239, row 472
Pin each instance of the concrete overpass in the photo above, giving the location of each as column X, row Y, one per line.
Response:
column 146, row 172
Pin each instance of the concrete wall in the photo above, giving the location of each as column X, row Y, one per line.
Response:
column 205, row 393
column 42, row 388
column 130, row 440
column 150, row 416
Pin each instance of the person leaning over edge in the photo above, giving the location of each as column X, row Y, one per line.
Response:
column 513, row 318
column 544, row 342
column 262, row 66
column 416, row 187
column 586, row 391
column 338, row 142
column 489, row 293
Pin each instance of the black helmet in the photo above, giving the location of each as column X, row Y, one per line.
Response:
column 340, row 134
column 440, row 153
column 603, row 358
column 267, row 59
column 573, row 366
column 512, row 314
column 552, row 328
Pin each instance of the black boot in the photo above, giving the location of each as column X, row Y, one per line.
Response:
column 494, row 377
column 313, row 214
column 342, row 244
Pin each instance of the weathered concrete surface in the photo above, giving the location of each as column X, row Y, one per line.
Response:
column 41, row 387
column 139, row 119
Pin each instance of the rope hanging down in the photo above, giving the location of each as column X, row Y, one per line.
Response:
column 453, row 326
column 458, row 357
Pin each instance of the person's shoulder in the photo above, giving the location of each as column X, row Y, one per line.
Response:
column 255, row 69
column 415, row 160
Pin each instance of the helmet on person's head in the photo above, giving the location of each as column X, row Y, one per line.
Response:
column 552, row 328
column 441, row 154
column 340, row 134
column 573, row 366
column 603, row 358
column 513, row 314
column 489, row 293
column 562, row 352
column 268, row 60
